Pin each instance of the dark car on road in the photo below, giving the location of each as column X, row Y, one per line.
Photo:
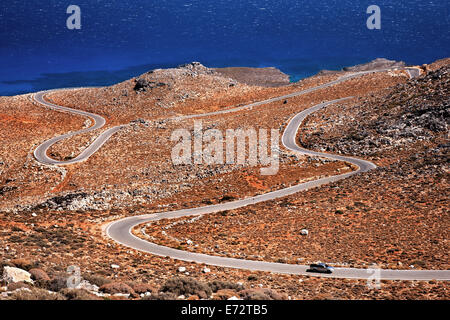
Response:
column 320, row 268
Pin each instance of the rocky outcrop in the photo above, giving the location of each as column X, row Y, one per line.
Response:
column 12, row 275
column 376, row 64
column 409, row 113
column 264, row 77
column 144, row 85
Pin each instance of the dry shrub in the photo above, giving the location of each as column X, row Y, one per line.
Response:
column 186, row 286
column 261, row 294
column 39, row 275
column 217, row 285
column 57, row 284
column 35, row 294
column 140, row 288
column 161, row 296
column 24, row 264
column 96, row 279
column 118, row 287
column 18, row 285
column 78, row 294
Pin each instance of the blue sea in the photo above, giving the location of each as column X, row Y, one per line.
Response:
column 120, row 39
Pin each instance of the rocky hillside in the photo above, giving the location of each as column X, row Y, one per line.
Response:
column 418, row 111
column 265, row 77
column 377, row 64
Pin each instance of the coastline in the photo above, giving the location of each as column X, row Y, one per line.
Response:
column 277, row 74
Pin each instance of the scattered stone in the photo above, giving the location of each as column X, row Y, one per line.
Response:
column 86, row 285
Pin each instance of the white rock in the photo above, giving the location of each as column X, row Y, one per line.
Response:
column 27, row 289
column 181, row 269
column 100, row 294
column 12, row 275
column 182, row 297
column 234, row 298
column 125, row 295
column 87, row 286
column 206, row 270
column 115, row 266
column 34, row 214
column 304, row 232
column 189, row 242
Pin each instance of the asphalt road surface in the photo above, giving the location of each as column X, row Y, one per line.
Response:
column 40, row 153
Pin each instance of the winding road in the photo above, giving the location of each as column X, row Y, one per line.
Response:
column 40, row 153
column 120, row 231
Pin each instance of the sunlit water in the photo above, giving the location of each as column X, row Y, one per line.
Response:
column 123, row 38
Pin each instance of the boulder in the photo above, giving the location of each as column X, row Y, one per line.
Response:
column 12, row 274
